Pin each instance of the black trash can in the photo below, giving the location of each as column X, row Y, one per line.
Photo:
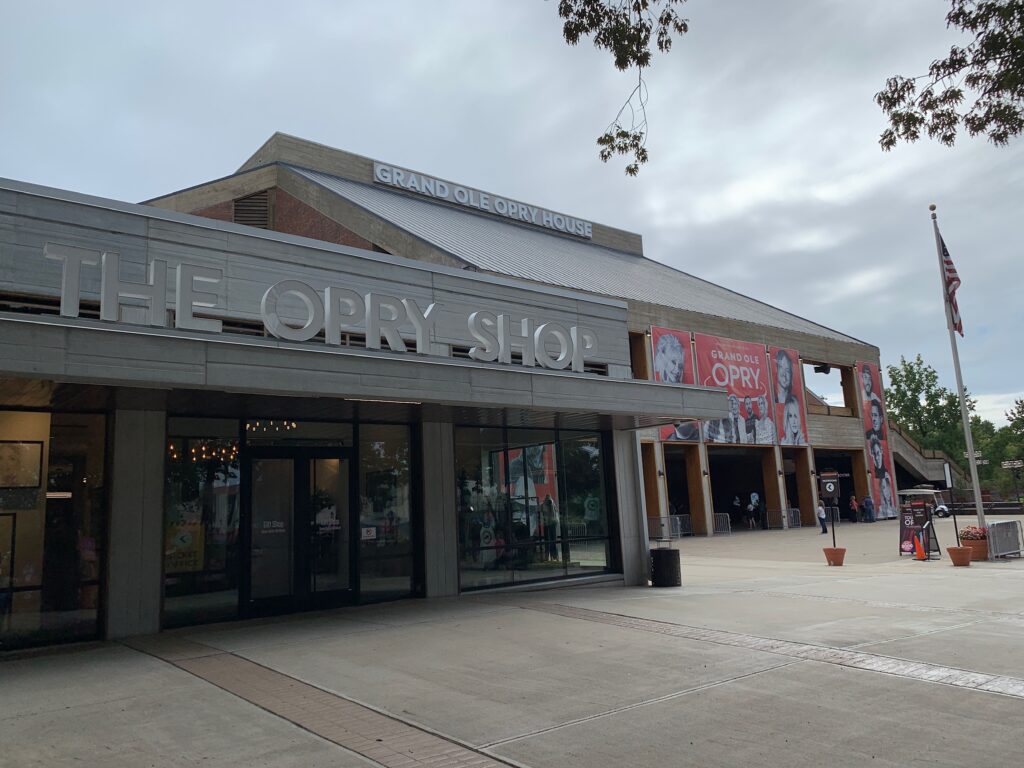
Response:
column 665, row 570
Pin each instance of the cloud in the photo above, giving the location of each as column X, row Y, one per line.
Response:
column 765, row 173
column 993, row 407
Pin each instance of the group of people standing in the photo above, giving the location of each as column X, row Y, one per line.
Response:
column 863, row 512
column 751, row 514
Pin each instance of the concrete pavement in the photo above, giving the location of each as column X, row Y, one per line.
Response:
column 765, row 656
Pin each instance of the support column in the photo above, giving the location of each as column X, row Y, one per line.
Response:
column 705, row 488
column 629, row 486
column 695, row 485
column 649, row 473
column 805, row 487
column 774, row 492
column 135, row 559
column 861, row 484
column 440, row 510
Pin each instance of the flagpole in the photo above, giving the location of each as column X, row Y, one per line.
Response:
column 968, row 438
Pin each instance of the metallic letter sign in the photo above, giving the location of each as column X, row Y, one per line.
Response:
column 309, row 310
column 428, row 186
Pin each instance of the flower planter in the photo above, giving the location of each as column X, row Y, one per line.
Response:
column 960, row 555
column 834, row 555
column 978, row 547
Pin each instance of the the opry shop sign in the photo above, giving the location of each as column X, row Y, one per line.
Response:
column 334, row 309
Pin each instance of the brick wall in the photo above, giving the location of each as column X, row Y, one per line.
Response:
column 220, row 211
column 294, row 217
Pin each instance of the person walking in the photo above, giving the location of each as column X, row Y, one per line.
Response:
column 867, row 508
column 854, row 510
column 821, row 517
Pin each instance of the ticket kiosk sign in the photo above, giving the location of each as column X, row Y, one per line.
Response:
column 916, row 521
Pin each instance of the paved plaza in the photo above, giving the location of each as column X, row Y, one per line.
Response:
column 764, row 657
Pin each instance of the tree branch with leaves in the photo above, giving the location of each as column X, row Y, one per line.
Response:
column 626, row 28
column 987, row 74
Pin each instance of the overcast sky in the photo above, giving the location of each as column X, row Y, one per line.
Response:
column 765, row 172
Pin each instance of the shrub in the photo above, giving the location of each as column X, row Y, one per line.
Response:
column 974, row 533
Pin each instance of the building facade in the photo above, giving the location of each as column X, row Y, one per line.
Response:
column 326, row 380
column 698, row 470
column 202, row 420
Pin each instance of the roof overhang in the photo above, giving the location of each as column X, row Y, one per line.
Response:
column 427, row 388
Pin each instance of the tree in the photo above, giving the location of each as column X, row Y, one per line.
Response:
column 928, row 412
column 625, row 28
column 1015, row 418
column 987, row 74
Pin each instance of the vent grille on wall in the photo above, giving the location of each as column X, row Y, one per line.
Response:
column 253, row 210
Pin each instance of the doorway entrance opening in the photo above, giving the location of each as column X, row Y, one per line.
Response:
column 301, row 550
column 684, row 486
column 738, row 481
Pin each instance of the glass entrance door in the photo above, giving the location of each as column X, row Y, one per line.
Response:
column 301, row 550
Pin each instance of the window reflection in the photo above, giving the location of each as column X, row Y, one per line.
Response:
column 531, row 505
column 201, row 529
column 52, row 526
column 385, row 512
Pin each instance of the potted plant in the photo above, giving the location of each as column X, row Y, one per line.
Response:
column 975, row 537
column 960, row 555
column 834, row 555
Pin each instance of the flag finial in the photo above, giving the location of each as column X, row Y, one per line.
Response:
column 932, row 207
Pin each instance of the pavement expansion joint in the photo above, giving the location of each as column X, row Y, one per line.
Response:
column 638, row 704
column 909, row 607
column 853, row 659
column 378, row 737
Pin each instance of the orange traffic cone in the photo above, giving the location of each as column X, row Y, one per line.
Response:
column 919, row 549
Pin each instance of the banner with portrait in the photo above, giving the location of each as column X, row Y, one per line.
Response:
column 741, row 368
column 788, row 396
column 672, row 363
column 876, row 440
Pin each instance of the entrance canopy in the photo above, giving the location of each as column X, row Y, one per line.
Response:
column 198, row 374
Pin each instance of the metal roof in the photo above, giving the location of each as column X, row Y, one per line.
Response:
column 519, row 251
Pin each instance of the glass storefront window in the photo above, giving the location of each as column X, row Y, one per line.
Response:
column 201, row 523
column 585, row 516
column 485, row 520
column 386, row 559
column 52, row 526
column 531, row 505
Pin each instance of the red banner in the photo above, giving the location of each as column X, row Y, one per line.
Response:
column 741, row 368
column 788, row 390
column 673, row 363
column 876, row 440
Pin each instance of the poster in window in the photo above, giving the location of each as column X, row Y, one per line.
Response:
column 788, row 396
column 672, row 361
column 21, row 464
column 741, row 368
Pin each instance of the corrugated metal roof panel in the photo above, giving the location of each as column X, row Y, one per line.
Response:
column 531, row 254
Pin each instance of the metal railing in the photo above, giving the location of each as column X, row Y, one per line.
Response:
column 575, row 530
column 669, row 527
column 1005, row 538
column 989, row 507
column 783, row 518
column 722, row 523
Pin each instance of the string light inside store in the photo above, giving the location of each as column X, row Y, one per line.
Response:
column 206, row 451
column 270, row 426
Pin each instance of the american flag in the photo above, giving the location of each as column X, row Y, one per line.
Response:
column 952, row 283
